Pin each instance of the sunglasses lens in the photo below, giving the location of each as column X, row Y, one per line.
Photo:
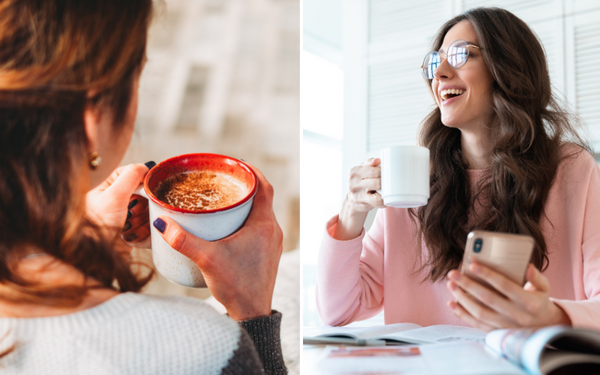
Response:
column 430, row 64
column 458, row 52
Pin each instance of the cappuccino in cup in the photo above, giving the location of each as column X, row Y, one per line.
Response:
column 201, row 191
column 209, row 195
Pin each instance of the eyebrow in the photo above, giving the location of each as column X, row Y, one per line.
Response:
column 468, row 42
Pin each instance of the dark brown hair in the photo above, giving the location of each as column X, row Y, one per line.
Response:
column 53, row 55
column 529, row 128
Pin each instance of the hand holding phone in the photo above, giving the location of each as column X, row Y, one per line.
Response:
column 508, row 254
column 503, row 305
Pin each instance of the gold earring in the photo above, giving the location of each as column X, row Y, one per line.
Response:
column 94, row 159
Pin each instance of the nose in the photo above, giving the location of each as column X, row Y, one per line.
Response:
column 444, row 70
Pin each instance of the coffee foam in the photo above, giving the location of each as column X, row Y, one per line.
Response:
column 201, row 191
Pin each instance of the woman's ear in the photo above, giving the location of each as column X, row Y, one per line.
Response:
column 93, row 131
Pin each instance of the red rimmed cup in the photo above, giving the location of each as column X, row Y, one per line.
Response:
column 210, row 225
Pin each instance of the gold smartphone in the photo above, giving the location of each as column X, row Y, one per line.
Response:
column 508, row 254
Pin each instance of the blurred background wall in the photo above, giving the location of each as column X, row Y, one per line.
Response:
column 223, row 77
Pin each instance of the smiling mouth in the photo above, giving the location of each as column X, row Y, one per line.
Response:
column 447, row 94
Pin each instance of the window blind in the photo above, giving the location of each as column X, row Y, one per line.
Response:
column 587, row 79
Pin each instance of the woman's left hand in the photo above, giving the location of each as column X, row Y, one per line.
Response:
column 112, row 204
column 509, row 305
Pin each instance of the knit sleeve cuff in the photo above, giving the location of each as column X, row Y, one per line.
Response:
column 264, row 332
column 330, row 230
column 583, row 314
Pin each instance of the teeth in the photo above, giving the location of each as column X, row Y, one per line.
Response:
column 446, row 93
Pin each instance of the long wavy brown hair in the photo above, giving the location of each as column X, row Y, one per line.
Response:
column 529, row 129
column 58, row 58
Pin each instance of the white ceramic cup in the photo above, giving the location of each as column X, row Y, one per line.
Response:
column 404, row 176
column 210, row 225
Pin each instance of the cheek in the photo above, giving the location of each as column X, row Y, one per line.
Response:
column 434, row 89
column 480, row 87
column 484, row 98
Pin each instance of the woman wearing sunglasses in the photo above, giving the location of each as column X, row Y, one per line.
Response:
column 505, row 157
column 69, row 301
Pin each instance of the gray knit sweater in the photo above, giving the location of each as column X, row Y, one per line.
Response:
column 140, row 334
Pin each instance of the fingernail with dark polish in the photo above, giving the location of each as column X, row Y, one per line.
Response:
column 160, row 225
column 132, row 204
column 150, row 164
column 130, row 237
column 129, row 215
column 127, row 226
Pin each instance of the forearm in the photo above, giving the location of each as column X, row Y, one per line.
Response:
column 350, row 222
column 349, row 278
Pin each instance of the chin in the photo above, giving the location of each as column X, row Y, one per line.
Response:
column 450, row 122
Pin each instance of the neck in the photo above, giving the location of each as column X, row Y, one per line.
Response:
column 48, row 272
column 476, row 149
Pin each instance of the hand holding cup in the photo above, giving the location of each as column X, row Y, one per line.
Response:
column 208, row 195
column 365, row 180
column 112, row 205
column 362, row 197
column 239, row 270
column 399, row 179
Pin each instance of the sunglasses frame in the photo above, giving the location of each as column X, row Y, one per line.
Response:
column 444, row 56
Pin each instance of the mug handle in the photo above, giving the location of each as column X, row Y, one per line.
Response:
column 140, row 191
column 380, row 192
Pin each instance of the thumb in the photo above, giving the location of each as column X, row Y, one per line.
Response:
column 128, row 179
column 372, row 162
column 535, row 280
column 181, row 240
column 375, row 162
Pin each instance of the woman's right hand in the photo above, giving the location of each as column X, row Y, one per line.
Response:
column 239, row 270
column 362, row 197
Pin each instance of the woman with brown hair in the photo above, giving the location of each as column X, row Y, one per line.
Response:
column 69, row 73
column 505, row 157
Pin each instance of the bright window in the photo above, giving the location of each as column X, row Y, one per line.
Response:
column 320, row 188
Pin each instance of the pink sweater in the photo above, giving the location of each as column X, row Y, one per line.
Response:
column 359, row 278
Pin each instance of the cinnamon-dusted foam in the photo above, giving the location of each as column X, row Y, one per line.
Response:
column 200, row 191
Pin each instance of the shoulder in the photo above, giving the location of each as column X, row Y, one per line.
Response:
column 185, row 309
column 131, row 333
column 571, row 152
column 576, row 163
column 575, row 174
column 172, row 331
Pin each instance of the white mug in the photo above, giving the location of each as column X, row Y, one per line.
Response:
column 404, row 176
column 209, row 225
